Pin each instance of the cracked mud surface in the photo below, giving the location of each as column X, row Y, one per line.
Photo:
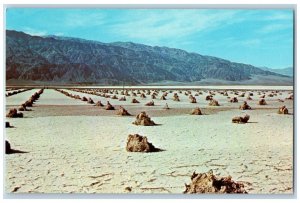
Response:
column 75, row 147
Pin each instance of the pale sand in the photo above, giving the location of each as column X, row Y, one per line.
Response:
column 86, row 153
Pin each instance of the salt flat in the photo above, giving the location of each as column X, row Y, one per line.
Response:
column 75, row 147
column 203, row 87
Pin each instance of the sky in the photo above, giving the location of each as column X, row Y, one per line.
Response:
column 263, row 38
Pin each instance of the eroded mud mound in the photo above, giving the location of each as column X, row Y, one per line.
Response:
column 234, row 100
column 143, row 119
column 214, row 102
column 162, row 97
column 9, row 150
column 166, row 106
column 123, row 112
column 245, row 106
column 196, row 111
column 291, row 97
column 283, row 110
column 109, row 106
column 13, row 113
column 134, row 101
column 150, row 103
column 176, row 98
column 138, row 143
column 262, row 102
column 209, row 183
column 114, row 97
column 240, row 119
column 7, row 124
column 7, row 147
column 23, row 108
column 122, row 99
column 280, row 100
column 193, row 99
column 99, row 103
column 208, row 97
column 90, row 101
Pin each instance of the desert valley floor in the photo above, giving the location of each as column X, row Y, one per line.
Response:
column 76, row 147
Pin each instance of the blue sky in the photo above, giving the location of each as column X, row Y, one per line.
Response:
column 257, row 37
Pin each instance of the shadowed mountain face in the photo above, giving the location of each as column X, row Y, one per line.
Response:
column 65, row 60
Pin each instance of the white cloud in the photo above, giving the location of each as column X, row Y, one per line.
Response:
column 275, row 27
column 250, row 42
column 83, row 19
column 280, row 16
column 154, row 26
column 231, row 42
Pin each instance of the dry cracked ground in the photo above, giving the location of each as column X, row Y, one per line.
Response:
column 76, row 147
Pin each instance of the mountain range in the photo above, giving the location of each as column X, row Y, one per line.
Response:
column 65, row 60
column 289, row 71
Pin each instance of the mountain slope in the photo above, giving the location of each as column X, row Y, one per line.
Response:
column 289, row 71
column 68, row 60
